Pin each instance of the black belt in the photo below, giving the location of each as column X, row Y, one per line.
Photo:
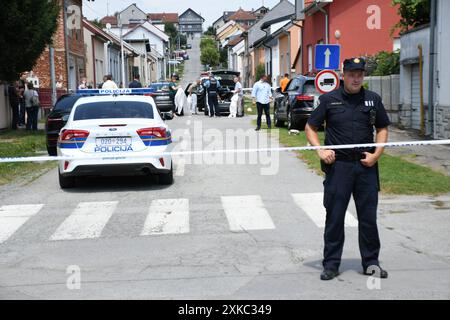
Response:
column 356, row 154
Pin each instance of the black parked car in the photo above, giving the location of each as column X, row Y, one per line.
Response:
column 57, row 119
column 162, row 98
column 296, row 104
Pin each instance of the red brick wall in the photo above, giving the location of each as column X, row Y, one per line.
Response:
column 76, row 47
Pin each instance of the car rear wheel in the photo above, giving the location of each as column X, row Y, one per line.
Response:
column 278, row 122
column 66, row 182
column 166, row 178
column 51, row 151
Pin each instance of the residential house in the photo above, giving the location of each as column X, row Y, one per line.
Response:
column 68, row 51
column 263, row 49
column 229, row 30
column 191, row 23
column 243, row 18
column 222, row 19
column 437, row 118
column 131, row 16
column 160, row 19
column 344, row 22
column 147, row 35
column 260, row 12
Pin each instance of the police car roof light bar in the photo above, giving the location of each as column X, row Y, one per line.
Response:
column 122, row 91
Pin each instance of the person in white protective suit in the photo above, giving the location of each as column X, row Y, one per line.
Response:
column 181, row 103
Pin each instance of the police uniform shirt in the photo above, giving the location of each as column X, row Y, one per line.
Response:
column 350, row 118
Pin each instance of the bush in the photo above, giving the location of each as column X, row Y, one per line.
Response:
column 383, row 63
column 260, row 71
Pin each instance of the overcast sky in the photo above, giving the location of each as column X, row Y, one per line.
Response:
column 211, row 10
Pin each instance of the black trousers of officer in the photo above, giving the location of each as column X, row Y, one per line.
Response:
column 213, row 103
column 342, row 180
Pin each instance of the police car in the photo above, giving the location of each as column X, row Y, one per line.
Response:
column 114, row 133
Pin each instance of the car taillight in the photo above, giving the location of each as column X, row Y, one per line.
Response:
column 73, row 134
column 158, row 132
column 304, row 98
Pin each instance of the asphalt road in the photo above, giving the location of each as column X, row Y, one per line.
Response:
column 232, row 230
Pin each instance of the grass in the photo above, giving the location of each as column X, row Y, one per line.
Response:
column 397, row 175
column 22, row 143
column 248, row 104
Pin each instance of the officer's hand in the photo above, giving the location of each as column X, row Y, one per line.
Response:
column 327, row 156
column 370, row 159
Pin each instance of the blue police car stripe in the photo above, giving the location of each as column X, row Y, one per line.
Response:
column 74, row 143
column 153, row 141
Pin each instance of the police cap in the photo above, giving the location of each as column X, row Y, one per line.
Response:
column 354, row 64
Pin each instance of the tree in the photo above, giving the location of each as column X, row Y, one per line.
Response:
column 260, row 71
column 171, row 31
column 224, row 57
column 27, row 28
column 413, row 13
column 384, row 63
column 210, row 32
column 210, row 56
column 207, row 42
column 97, row 23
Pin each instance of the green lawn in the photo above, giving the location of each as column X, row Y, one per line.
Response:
column 248, row 104
column 397, row 175
column 21, row 143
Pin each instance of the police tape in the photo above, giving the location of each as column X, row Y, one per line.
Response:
column 120, row 156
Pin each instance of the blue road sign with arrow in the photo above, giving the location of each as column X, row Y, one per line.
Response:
column 327, row 56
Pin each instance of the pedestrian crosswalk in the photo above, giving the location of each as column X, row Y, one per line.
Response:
column 165, row 216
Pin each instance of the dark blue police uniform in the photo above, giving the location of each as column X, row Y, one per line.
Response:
column 350, row 119
column 213, row 101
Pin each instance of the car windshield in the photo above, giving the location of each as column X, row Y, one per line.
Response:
column 118, row 109
column 160, row 86
column 65, row 103
column 309, row 89
column 222, row 76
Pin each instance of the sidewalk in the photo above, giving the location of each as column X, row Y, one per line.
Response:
column 436, row 157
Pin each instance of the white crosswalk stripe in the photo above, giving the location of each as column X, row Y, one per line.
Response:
column 312, row 205
column 246, row 213
column 86, row 222
column 14, row 216
column 167, row 216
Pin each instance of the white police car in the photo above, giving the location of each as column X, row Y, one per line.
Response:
column 114, row 135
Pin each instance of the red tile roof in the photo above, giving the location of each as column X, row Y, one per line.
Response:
column 242, row 15
column 165, row 17
column 109, row 19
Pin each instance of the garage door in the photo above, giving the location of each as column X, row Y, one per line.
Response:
column 415, row 96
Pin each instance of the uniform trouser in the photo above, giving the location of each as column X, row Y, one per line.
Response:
column 213, row 103
column 260, row 107
column 344, row 179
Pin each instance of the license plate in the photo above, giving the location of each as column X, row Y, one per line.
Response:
column 162, row 98
column 113, row 141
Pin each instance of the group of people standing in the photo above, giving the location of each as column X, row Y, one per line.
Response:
column 212, row 86
column 25, row 104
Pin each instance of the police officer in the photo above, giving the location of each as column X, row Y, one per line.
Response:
column 212, row 85
column 351, row 113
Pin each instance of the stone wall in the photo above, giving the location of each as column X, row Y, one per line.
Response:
column 442, row 124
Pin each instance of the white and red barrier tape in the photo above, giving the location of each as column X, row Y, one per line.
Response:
column 185, row 153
